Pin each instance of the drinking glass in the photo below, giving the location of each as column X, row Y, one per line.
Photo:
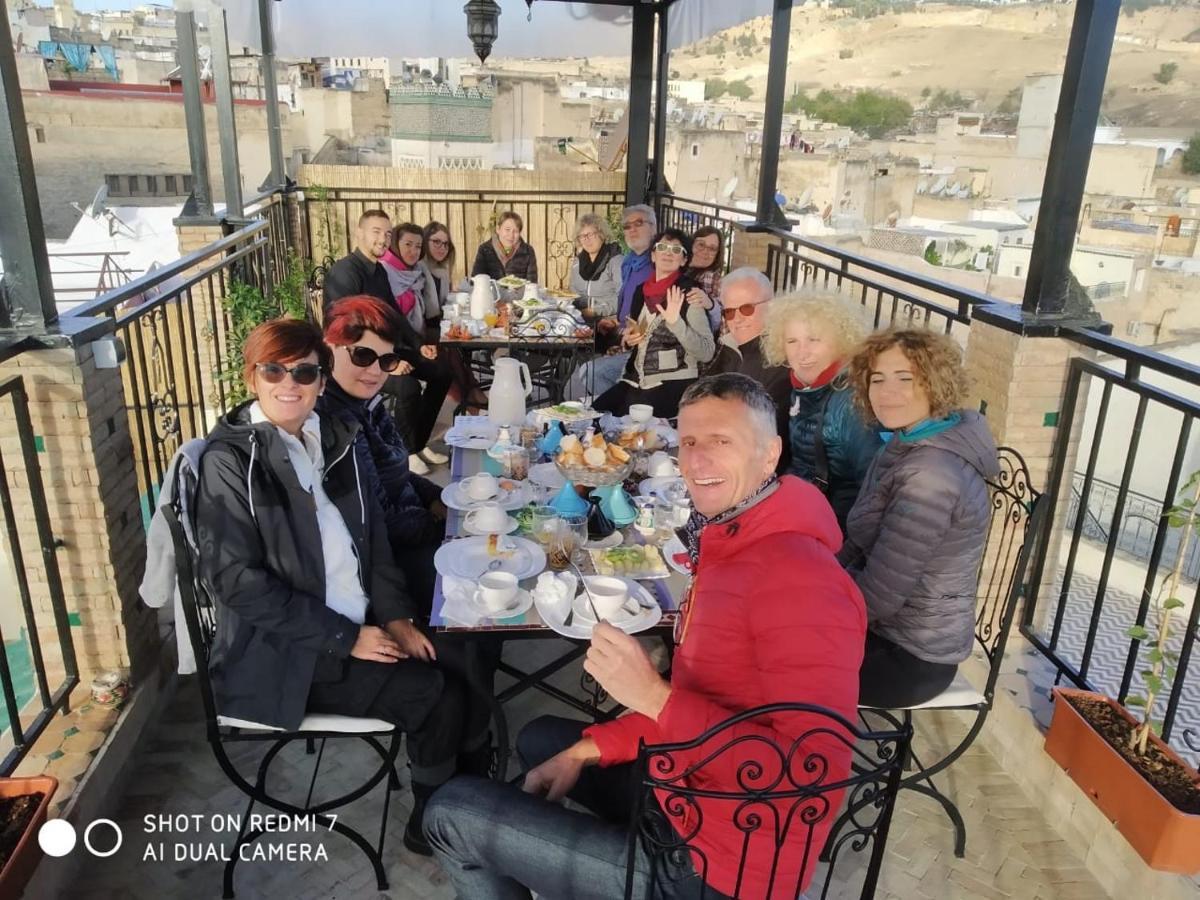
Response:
column 566, row 547
column 664, row 520
column 545, row 523
column 516, row 463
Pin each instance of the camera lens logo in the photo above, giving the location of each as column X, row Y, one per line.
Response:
column 57, row 837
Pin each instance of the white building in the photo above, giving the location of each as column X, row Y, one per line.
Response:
column 690, row 92
column 363, row 66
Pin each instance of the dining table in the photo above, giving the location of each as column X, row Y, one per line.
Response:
column 667, row 592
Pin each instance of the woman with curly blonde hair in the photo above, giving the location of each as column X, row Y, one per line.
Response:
column 916, row 534
column 813, row 333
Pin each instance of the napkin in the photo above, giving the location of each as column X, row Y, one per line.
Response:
column 554, row 593
column 456, row 605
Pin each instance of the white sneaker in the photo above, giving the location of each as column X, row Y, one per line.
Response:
column 434, row 458
column 416, row 465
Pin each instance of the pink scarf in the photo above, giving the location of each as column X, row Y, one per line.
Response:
column 404, row 279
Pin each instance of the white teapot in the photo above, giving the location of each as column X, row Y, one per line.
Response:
column 510, row 386
column 484, row 294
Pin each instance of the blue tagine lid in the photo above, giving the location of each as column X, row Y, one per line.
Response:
column 569, row 503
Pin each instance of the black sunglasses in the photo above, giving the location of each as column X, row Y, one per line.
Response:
column 303, row 374
column 365, row 357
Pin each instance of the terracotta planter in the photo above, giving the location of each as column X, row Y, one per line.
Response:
column 1166, row 838
column 27, row 853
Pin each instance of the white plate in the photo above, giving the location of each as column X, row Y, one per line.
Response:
column 455, row 497
column 581, row 629
column 547, row 475
column 471, row 439
column 510, row 525
column 657, row 486
column 669, row 549
column 521, row 603
column 580, row 415
column 613, row 540
column 468, row 558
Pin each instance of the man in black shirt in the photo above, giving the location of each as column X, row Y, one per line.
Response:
column 745, row 293
column 416, row 409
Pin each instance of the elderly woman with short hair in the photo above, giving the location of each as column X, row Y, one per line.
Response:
column 813, row 334
column 596, row 269
column 916, row 534
column 506, row 252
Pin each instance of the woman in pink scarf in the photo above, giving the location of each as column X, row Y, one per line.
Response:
column 413, row 287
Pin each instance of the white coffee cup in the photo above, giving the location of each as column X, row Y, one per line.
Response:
column 531, row 292
column 489, row 519
column 608, row 595
column 497, row 590
column 483, row 486
column 660, row 465
column 641, row 412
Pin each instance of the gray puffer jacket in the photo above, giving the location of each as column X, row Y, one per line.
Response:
column 916, row 534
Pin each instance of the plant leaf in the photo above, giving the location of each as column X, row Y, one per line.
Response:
column 1137, row 632
column 1154, row 684
column 1177, row 520
column 1154, row 655
column 1173, row 603
column 1135, row 701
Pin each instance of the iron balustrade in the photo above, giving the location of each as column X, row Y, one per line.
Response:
column 1128, row 396
column 173, row 326
column 689, row 215
column 330, row 216
column 47, row 699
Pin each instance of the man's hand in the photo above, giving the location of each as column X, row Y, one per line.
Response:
column 429, row 351
column 697, row 297
column 376, row 645
column 411, row 640
column 557, row 775
column 674, row 307
column 404, row 368
column 619, row 663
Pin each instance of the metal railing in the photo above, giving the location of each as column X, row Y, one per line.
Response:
column 330, row 215
column 1127, row 412
column 173, row 326
column 38, row 698
column 688, row 215
column 94, row 273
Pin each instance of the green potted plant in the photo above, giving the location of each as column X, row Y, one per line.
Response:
column 1146, row 789
column 24, row 803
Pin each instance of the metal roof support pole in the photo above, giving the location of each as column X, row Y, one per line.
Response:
column 278, row 175
column 231, row 170
column 199, row 204
column 26, row 291
column 641, row 83
column 768, row 164
column 1084, row 73
column 662, row 91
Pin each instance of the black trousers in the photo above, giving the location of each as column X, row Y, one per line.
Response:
column 416, row 409
column 664, row 398
column 893, row 678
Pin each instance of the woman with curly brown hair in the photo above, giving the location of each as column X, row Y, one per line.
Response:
column 915, row 536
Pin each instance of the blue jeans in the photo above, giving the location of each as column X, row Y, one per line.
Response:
column 596, row 376
column 498, row 843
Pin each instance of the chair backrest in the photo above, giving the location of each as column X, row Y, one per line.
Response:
column 779, row 775
column 1015, row 522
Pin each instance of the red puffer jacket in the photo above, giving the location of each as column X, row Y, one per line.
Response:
column 773, row 618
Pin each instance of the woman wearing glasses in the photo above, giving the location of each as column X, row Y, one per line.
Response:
column 312, row 613
column 708, row 245
column 596, row 270
column 668, row 337
column 439, row 256
column 814, row 334
column 412, row 283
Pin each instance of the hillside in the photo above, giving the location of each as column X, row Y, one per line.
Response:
column 982, row 53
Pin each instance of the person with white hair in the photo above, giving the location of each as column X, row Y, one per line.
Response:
column 596, row 269
column 746, row 294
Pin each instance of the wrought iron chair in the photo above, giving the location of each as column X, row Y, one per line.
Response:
column 200, row 615
column 784, row 798
column 1017, row 517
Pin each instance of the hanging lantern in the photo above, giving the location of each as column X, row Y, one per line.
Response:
column 482, row 25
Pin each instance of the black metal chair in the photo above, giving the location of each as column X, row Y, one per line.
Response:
column 200, row 615
column 784, row 798
column 1017, row 517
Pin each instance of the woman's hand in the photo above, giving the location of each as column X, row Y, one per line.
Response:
column 375, row 645
column 557, row 775
column 404, row 368
column 631, row 336
column 674, row 307
column 429, row 351
column 697, row 297
column 411, row 639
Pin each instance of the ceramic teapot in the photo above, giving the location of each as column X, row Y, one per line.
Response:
column 484, row 294
column 510, row 386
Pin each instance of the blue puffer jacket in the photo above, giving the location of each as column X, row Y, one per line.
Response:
column 850, row 444
column 383, row 459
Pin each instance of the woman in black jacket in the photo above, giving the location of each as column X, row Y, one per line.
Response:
column 313, row 615
column 506, row 252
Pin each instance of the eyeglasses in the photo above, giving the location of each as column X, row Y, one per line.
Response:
column 634, row 223
column 587, row 235
column 303, row 374
column 664, row 247
column 365, row 357
column 438, row 242
column 746, row 309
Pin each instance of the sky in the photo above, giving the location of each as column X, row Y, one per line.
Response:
column 406, row 28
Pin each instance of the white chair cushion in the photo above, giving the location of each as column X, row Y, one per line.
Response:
column 317, row 722
column 959, row 695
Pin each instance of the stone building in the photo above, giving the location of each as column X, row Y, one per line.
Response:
column 440, row 127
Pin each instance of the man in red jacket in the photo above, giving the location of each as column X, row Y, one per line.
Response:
column 770, row 617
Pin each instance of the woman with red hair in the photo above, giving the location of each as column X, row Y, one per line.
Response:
column 312, row 613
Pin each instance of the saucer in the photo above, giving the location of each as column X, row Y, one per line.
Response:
column 510, row 525
column 521, row 601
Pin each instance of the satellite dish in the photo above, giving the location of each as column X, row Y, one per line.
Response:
column 805, row 198
column 938, row 186
column 99, row 203
column 730, row 187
